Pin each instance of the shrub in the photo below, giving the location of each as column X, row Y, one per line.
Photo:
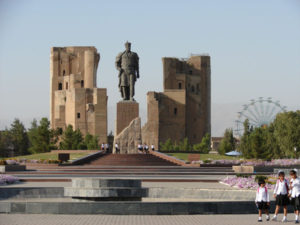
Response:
column 260, row 177
column 204, row 146
column 167, row 146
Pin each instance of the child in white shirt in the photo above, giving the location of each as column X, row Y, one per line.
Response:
column 295, row 193
column 281, row 194
column 262, row 200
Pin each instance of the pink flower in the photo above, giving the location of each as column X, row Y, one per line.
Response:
column 8, row 179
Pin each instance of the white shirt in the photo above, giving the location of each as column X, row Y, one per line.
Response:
column 295, row 183
column 152, row 146
column 280, row 187
column 116, row 145
column 262, row 195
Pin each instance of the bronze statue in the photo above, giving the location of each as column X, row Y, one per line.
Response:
column 127, row 63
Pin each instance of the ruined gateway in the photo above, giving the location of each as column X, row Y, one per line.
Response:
column 74, row 96
column 182, row 110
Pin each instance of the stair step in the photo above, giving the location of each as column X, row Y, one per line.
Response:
column 131, row 160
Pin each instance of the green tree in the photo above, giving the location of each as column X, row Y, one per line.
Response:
column 67, row 138
column 5, row 143
column 228, row 142
column 167, row 146
column 78, row 140
column 287, row 133
column 257, row 140
column 91, row 142
column 185, row 146
column 55, row 135
column 33, row 137
column 204, row 146
column 277, row 140
column 176, row 146
column 245, row 143
column 40, row 136
column 19, row 138
column 72, row 140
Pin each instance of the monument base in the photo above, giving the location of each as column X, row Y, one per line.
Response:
column 126, row 112
column 129, row 138
column 128, row 127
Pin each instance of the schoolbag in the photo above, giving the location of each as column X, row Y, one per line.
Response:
column 286, row 185
column 266, row 190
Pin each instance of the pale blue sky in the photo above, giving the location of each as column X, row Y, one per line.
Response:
column 254, row 47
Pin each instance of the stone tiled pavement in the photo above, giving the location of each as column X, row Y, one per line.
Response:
column 21, row 219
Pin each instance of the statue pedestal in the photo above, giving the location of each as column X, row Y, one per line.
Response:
column 128, row 127
column 126, row 112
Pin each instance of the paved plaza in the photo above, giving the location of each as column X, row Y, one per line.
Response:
column 21, row 219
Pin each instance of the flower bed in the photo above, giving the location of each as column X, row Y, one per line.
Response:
column 274, row 162
column 8, row 179
column 245, row 182
column 219, row 162
column 23, row 161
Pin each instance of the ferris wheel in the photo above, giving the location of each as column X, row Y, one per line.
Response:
column 260, row 112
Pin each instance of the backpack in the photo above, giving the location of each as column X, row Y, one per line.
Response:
column 286, row 185
column 266, row 190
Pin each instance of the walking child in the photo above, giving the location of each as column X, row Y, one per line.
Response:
column 281, row 195
column 140, row 148
column 295, row 193
column 146, row 148
column 262, row 200
column 117, row 148
column 152, row 147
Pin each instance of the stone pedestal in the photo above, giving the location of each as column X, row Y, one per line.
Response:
column 126, row 112
column 129, row 138
column 95, row 189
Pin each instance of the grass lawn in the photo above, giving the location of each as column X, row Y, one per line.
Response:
column 48, row 155
column 184, row 156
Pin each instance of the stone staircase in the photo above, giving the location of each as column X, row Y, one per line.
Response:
column 131, row 160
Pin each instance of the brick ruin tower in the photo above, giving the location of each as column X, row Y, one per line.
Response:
column 74, row 96
column 183, row 109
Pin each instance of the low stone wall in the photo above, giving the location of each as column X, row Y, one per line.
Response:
column 31, row 192
column 40, row 165
column 253, row 169
column 132, row 208
column 170, row 158
column 200, row 194
column 74, row 151
column 86, row 159
column 243, row 169
column 216, row 165
column 6, row 168
column 152, row 192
